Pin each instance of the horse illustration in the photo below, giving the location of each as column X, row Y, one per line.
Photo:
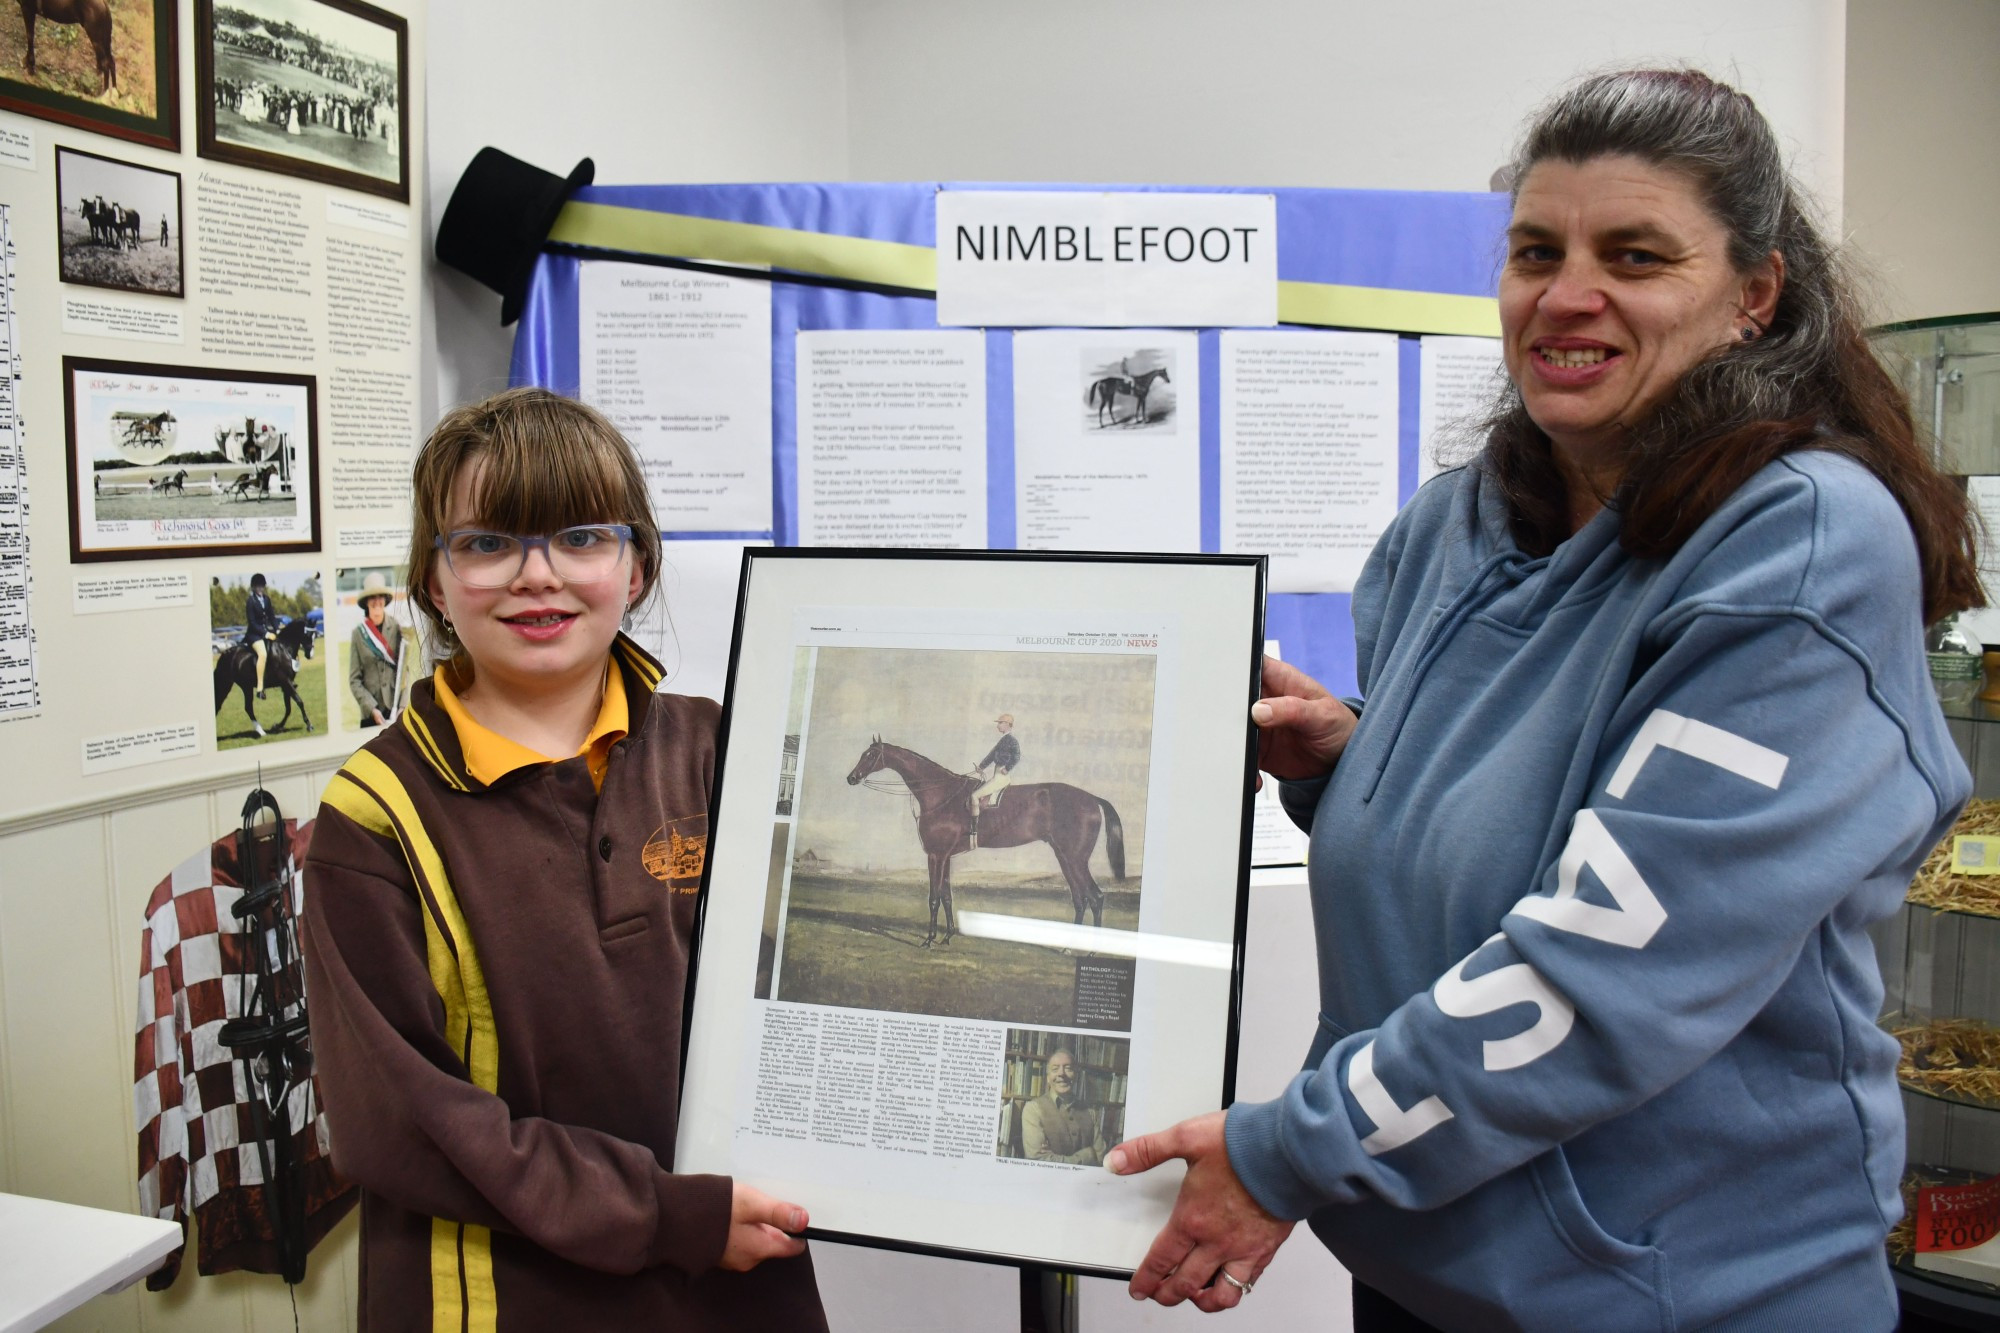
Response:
column 1067, row 818
column 236, row 668
column 1103, row 396
column 93, row 16
column 177, row 482
column 1138, row 388
column 1142, row 386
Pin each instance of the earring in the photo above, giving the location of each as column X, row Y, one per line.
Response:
column 1749, row 335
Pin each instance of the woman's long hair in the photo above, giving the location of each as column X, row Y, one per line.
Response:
column 1809, row 381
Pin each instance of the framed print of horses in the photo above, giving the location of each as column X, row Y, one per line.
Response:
column 311, row 88
column 167, row 462
column 961, row 796
column 108, row 66
column 118, row 225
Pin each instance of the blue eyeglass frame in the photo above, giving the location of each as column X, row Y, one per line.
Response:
column 442, row 542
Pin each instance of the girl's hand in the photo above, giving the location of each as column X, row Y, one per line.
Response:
column 1216, row 1226
column 757, row 1227
column 1301, row 729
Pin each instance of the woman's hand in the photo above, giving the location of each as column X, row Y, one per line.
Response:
column 757, row 1227
column 1301, row 729
column 1216, row 1226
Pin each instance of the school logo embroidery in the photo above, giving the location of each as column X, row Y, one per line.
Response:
column 676, row 852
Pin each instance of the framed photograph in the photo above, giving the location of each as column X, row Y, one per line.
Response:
column 374, row 654
column 311, row 88
column 167, row 462
column 118, row 225
column 265, row 654
column 971, row 891
column 108, row 66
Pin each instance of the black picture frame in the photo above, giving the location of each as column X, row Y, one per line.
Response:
column 217, row 494
column 64, row 266
column 718, row 1014
column 159, row 129
column 225, row 140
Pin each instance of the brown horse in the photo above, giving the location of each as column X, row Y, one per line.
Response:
column 1066, row 818
column 93, row 16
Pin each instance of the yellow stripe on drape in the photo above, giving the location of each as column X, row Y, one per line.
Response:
column 1391, row 309
column 894, row 264
column 680, row 236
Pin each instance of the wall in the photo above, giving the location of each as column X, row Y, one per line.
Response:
column 1417, row 96
column 1277, row 92
column 664, row 90
column 1923, row 165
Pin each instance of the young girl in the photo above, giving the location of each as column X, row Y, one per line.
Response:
column 500, row 896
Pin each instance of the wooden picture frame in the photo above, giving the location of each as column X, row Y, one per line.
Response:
column 297, row 89
column 81, row 262
column 175, row 462
column 68, row 61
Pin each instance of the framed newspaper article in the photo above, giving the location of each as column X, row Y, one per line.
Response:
column 974, row 888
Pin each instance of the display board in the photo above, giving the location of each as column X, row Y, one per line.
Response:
column 775, row 353
column 212, row 334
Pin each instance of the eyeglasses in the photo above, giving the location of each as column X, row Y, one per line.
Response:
column 586, row 553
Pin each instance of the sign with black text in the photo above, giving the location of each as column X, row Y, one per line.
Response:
column 1020, row 258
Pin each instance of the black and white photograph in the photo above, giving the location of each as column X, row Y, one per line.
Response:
column 311, row 88
column 119, row 225
column 1062, row 1096
column 1128, row 389
column 172, row 461
column 935, row 782
column 108, row 66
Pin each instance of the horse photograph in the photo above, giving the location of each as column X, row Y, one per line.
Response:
column 99, row 60
column 308, row 88
column 885, row 849
column 118, row 225
column 294, row 669
column 1129, row 389
column 179, row 458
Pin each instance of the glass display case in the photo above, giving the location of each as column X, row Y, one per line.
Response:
column 1951, row 370
column 1941, row 955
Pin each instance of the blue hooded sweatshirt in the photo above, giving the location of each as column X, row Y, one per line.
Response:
column 1593, row 882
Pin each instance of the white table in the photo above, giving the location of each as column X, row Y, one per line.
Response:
column 55, row 1256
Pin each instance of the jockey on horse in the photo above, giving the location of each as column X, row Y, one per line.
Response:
column 1002, row 759
column 260, row 626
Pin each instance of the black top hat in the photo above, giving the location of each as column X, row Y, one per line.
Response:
column 499, row 215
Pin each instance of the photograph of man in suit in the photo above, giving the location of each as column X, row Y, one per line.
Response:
column 1058, row 1126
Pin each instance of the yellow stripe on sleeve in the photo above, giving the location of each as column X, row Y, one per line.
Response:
column 463, row 1299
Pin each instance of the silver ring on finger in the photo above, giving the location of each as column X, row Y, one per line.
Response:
column 1245, row 1287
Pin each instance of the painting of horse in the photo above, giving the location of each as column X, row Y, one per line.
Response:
column 93, row 16
column 1069, row 819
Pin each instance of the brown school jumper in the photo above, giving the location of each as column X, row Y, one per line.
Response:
column 498, row 1031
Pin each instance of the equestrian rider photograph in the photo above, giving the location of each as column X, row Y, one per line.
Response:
column 497, row 960
column 260, row 626
column 1645, row 743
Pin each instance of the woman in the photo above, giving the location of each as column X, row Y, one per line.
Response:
column 497, row 970
column 374, row 654
column 1648, row 743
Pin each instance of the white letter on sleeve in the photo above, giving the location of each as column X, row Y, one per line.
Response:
column 1517, row 983
column 1638, row 915
column 1712, row 745
column 1394, row 1126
